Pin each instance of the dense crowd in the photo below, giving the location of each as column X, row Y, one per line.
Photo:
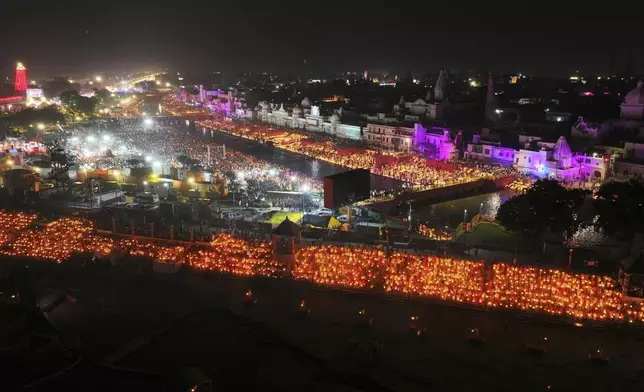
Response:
column 576, row 295
column 176, row 107
column 416, row 171
column 163, row 146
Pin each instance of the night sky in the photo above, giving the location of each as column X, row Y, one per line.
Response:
column 67, row 37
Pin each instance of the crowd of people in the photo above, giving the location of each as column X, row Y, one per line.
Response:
column 162, row 147
column 413, row 170
column 173, row 105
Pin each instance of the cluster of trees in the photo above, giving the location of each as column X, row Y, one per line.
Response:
column 78, row 105
column 58, row 85
column 19, row 122
column 546, row 206
column 549, row 207
column 620, row 208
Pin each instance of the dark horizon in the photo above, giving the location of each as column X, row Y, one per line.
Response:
column 72, row 37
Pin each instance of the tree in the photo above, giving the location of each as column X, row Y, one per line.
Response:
column 134, row 163
column 60, row 162
column 102, row 95
column 19, row 122
column 546, row 206
column 619, row 206
column 78, row 104
column 58, row 85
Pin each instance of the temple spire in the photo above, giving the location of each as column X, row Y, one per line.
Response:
column 491, row 104
column 440, row 89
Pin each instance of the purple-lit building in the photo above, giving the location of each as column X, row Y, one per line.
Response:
column 434, row 142
column 541, row 159
column 489, row 151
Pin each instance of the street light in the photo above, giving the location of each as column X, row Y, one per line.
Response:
column 465, row 219
column 304, row 188
column 40, row 126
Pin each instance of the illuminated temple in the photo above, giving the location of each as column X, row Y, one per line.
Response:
column 539, row 158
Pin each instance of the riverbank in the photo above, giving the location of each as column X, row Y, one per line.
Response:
column 311, row 167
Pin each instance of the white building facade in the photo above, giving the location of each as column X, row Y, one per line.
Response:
column 305, row 118
column 389, row 137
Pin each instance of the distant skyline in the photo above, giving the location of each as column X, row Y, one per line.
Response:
column 70, row 37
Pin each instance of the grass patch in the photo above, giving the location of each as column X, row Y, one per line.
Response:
column 278, row 217
column 490, row 234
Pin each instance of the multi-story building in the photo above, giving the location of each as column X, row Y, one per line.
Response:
column 306, row 117
column 489, row 151
column 435, row 142
column 389, row 137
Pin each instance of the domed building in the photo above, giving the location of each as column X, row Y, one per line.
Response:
column 297, row 111
column 265, row 106
column 633, row 106
column 306, row 104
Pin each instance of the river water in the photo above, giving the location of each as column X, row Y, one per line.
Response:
column 299, row 163
column 451, row 213
column 448, row 214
